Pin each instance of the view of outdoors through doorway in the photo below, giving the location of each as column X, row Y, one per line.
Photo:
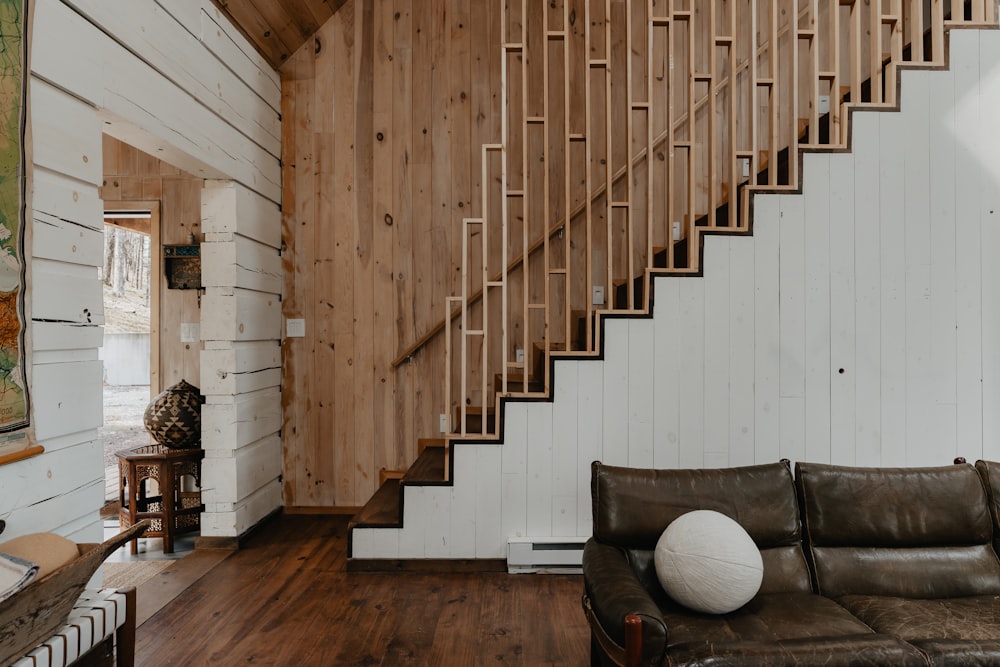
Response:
column 126, row 351
column 152, row 328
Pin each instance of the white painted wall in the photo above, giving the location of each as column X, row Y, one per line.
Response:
column 884, row 267
column 173, row 78
column 241, row 362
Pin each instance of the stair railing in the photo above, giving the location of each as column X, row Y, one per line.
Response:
column 629, row 128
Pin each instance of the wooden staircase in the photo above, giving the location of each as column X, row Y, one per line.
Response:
column 531, row 379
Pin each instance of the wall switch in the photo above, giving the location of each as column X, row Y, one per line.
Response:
column 675, row 230
column 295, row 328
column 824, row 104
column 190, row 332
column 598, row 299
column 519, row 355
column 746, row 166
column 443, row 426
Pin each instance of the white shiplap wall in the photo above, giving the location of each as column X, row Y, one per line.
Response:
column 173, row 78
column 860, row 325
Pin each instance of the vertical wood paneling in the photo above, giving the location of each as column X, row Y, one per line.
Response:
column 384, row 452
column 514, row 464
column 842, row 356
column 640, row 395
column 989, row 215
column 817, row 222
column 589, row 436
column 717, row 359
column 388, row 107
column 969, row 216
column 666, row 374
column 767, row 432
column 692, row 369
column 792, row 325
column 490, row 540
column 867, row 299
column 916, row 209
column 463, row 503
column 742, row 420
column 565, row 438
column 943, row 245
column 892, row 263
column 615, row 378
column 539, row 471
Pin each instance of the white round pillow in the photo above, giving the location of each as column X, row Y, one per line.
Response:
column 707, row 562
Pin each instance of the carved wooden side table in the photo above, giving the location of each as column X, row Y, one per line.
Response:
column 177, row 509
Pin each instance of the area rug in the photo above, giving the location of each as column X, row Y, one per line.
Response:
column 120, row 575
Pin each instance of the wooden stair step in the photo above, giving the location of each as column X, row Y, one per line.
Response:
column 515, row 383
column 429, row 468
column 474, row 420
column 382, row 510
column 424, row 443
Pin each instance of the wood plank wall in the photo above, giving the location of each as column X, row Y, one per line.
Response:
column 859, row 325
column 133, row 175
column 384, row 114
column 168, row 77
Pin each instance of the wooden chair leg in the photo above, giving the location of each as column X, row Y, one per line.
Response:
column 125, row 635
column 633, row 641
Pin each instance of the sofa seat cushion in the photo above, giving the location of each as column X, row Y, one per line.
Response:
column 766, row 618
column 847, row 651
column 780, row 629
column 951, row 630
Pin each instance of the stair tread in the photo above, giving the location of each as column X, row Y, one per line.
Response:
column 423, row 443
column 382, row 509
column 429, row 467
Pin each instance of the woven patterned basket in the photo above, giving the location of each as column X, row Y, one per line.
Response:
column 173, row 418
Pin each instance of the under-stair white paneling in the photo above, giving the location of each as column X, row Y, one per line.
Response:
column 859, row 324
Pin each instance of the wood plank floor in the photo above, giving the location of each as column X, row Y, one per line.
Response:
column 286, row 598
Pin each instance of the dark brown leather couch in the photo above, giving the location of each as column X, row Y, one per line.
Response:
column 862, row 566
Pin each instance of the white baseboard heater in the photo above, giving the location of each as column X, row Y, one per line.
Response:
column 545, row 555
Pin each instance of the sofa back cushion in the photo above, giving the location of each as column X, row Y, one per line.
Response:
column 989, row 472
column 633, row 506
column 907, row 532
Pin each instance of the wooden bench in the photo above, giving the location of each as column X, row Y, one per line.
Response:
column 100, row 631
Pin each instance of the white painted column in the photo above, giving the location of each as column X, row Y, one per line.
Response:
column 241, row 362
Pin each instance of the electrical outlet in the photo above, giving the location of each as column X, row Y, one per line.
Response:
column 824, row 104
column 519, row 355
column 598, row 298
column 676, row 230
column 443, row 418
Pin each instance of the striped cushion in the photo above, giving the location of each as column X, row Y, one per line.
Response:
column 94, row 618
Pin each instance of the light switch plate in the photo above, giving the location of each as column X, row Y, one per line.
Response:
column 190, row 332
column 295, row 328
column 598, row 292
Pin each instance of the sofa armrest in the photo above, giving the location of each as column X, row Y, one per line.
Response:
column 613, row 592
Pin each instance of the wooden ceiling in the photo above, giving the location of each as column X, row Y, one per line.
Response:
column 277, row 28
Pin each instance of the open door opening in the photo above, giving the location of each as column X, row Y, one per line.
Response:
column 152, row 322
column 131, row 243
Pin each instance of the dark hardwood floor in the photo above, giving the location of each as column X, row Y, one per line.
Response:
column 286, row 598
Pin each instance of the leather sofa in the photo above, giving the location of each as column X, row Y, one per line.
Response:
column 862, row 566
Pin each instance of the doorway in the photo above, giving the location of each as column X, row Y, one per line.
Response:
column 131, row 339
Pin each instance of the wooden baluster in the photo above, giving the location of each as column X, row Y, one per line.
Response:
column 608, row 156
column 734, row 174
column 589, row 177
column 875, row 46
column 937, row 32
